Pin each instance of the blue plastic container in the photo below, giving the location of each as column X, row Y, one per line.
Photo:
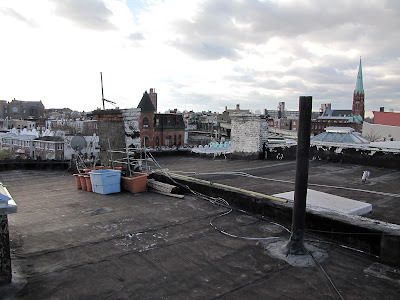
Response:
column 106, row 181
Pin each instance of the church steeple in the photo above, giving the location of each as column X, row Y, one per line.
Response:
column 358, row 96
column 359, row 84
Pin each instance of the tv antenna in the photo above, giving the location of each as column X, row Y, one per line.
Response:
column 102, row 93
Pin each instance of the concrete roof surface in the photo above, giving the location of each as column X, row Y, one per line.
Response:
column 72, row 244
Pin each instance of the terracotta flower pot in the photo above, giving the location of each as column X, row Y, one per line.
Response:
column 118, row 168
column 88, row 183
column 99, row 167
column 135, row 184
column 87, row 170
column 77, row 181
column 83, row 181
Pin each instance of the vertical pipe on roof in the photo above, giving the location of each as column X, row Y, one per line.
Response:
column 296, row 241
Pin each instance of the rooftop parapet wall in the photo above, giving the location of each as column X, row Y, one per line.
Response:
column 249, row 133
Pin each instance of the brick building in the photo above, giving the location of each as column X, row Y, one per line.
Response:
column 159, row 130
column 386, row 118
column 17, row 109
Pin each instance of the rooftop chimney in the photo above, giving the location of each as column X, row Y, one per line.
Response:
column 382, row 109
column 153, row 97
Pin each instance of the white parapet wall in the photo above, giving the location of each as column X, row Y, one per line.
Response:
column 248, row 134
column 379, row 133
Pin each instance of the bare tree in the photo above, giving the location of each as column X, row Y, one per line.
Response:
column 372, row 135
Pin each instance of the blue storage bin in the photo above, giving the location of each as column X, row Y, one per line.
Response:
column 106, row 181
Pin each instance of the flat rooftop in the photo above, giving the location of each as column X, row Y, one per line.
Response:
column 68, row 243
column 274, row 177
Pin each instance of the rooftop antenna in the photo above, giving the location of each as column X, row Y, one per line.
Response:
column 102, row 92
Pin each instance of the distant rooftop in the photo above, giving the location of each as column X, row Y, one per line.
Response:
column 345, row 135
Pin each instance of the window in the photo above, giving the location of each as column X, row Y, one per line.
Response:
column 168, row 141
column 157, row 141
column 145, row 141
column 180, row 140
column 145, row 122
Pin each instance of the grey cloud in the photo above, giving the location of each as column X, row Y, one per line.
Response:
column 12, row 13
column 369, row 28
column 322, row 21
column 137, row 36
column 206, row 50
column 90, row 14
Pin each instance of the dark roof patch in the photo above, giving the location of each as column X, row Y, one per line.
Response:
column 145, row 104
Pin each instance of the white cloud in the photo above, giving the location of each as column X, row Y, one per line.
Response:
column 206, row 54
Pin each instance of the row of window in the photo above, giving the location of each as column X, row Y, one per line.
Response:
column 168, row 141
column 36, row 144
column 168, row 121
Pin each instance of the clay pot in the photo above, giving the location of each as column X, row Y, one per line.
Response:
column 77, row 181
column 83, row 181
column 136, row 184
column 88, row 183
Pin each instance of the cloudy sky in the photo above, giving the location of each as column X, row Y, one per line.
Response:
column 200, row 54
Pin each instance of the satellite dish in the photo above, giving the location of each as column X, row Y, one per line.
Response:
column 78, row 143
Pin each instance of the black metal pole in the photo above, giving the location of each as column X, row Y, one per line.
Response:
column 296, row 241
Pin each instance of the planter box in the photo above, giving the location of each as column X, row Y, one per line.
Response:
column 105, row 181
column 135, row 184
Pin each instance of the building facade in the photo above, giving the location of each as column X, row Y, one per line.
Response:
column 32, row 147
column 17, row 109
column 159, row 130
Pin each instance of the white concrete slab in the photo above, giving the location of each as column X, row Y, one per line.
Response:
column 8, row 207
column 4, row 194
column 320, row 201
column 7, row 203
